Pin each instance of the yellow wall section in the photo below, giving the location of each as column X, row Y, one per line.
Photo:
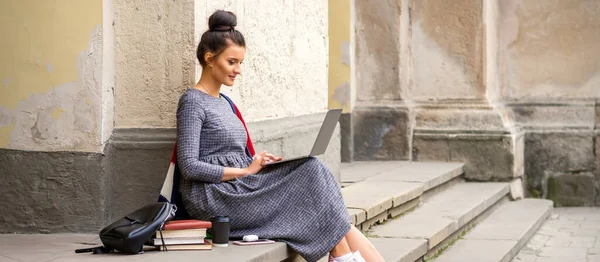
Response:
column 5, row 132
column 39, row 44
column 339, row 32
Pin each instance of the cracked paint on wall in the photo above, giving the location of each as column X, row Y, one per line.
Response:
column 52, row 71
column 339, row 55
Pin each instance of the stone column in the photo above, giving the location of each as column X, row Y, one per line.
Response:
column 381, row 117
column 453, row 119
column 548, row 87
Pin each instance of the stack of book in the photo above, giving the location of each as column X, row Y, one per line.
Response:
column 183, row 235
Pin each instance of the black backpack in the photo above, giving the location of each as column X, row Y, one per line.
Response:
column 130, row 233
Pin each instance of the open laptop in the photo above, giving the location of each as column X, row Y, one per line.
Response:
column 322, row 141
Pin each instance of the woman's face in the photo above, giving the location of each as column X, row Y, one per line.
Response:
column 227, row 65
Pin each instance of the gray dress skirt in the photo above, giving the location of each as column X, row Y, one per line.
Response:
column 298, row 202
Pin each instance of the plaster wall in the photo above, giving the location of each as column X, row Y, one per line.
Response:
column 446, row 50
column 549, row 50
column 52, row 89
column 377, row 50
column 154, row 60
column 284, row 73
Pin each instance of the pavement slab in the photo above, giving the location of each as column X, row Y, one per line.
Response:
column 570, row 235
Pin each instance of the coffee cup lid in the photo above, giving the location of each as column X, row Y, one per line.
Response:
column 221, row 219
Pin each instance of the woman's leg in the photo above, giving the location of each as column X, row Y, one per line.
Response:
column 358, row 242
column 341, row 248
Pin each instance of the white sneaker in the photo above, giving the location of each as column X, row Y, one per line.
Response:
column 354, row 257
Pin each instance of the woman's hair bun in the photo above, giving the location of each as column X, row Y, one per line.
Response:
column 220, row 34
column 222, row 20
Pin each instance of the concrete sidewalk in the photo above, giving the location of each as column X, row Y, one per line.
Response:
column 570, row 234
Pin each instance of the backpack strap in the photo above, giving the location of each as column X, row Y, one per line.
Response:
column 94, row 250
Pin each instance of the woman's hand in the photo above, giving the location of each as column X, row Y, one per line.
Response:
column 271, row 158
column 256, row 164
column 259, row 160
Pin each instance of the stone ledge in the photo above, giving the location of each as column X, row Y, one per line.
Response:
column 57, row 247
column 281, row 128
column 567, row 115
column 267, row 130
column 458, row 134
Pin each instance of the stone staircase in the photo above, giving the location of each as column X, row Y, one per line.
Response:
column 411, row 211
column 433, row 209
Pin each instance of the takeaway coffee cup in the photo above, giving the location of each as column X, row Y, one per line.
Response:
column 220, row 231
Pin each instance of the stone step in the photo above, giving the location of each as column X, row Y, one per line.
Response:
column 400, row 249
column 436, row 219
column 393, row 185
column 358, row 171
column 500, row 237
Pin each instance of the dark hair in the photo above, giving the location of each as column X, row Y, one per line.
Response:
column 221, row 33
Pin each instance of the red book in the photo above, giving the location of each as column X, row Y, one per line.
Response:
column 187, row 224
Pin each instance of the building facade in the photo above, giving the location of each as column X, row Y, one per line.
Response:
column 89, row 92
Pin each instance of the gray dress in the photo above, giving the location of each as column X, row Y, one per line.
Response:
column 298, row 202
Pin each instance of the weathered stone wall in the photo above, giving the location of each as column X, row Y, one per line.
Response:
column 549, row 82
column 548, row 49
column 47, row 192
column 285, row 69
column 447, row 43
column 155, row 56
column 378, row 50
column 509, row 87
column 56, row 82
